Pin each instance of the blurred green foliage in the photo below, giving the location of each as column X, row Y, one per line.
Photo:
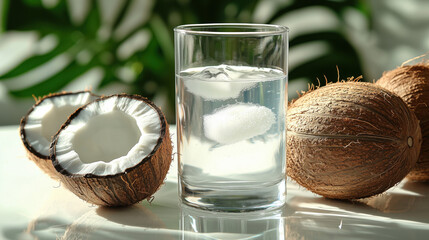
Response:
column 152, row 67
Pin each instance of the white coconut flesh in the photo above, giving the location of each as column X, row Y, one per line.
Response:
column 108, row 136
column 47, row 117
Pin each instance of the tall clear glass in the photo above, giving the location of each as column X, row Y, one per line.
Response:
column 231, row 99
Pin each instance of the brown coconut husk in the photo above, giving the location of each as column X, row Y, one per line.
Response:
column 350, row 140
column 125, row 188
column 411, row 83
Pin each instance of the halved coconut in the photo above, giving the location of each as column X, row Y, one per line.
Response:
column 114, row 151
column 44, row 119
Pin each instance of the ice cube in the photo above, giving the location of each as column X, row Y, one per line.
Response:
column 212, row 73
column 216, row 84
column 238, row 122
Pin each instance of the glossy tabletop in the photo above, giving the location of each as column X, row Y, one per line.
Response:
column 33, row 206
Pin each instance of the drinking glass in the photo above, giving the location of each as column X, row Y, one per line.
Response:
column 231, row 99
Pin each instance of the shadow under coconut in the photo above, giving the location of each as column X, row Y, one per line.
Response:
column 98, row 223
column 384, row 216
column 410, row 202
column 136, row 215
column 340, row 227
column 50, row 219
column 42, row 229
column 421, row 188
column 131, row 222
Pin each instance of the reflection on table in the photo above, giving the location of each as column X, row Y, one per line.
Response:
column 198, row 224
column 33, row 206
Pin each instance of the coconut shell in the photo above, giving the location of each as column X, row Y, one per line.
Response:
column 126, row 188
column 350, row 140
column 411, row 83
column 41, row 160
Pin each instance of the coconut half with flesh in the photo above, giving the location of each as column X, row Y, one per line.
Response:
column 44, row 119
column 114, row 151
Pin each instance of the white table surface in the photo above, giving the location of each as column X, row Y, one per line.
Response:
column 33, row 206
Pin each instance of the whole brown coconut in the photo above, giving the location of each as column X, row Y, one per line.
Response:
column 114, row 151
column 350, row 140
column 411, row 83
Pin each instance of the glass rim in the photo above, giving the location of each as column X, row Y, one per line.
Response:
column 208, row 29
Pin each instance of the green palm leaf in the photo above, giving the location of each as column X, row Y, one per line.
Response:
column 142, row 55
column 82, row 39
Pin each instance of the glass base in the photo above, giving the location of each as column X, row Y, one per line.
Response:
column 233, row 199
